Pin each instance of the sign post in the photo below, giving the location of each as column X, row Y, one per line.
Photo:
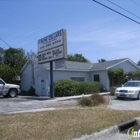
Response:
column 52, row 48
column 51, row 80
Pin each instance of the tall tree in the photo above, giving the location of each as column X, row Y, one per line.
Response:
column 8, row 73
column 1, row 55
column 11, row 62
column 77, row 57
column 15, row 58
column 101, row 60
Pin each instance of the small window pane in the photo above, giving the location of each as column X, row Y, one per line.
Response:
column 96, row 78
column 79, row 79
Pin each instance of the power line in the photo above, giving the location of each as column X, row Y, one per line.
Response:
column 5, row 42
column 135, row 2
column 117, row 12
column 124, row 9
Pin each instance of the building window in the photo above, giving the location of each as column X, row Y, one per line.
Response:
column 96, row 78
column 79, row 79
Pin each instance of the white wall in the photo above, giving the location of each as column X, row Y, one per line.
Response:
column 41, row 80
column 57, row 75
column 103, row 78
column 37, row 76
column 26, row 78
column 127, row 66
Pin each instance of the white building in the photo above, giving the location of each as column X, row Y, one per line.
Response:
column 38, row 75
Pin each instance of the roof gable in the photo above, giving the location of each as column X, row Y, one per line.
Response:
column 107, row 64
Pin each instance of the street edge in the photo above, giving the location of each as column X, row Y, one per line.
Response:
column 111, row 130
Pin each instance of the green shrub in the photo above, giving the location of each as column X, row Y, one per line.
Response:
column 85, row 101
column 71, row 88
column 88, row 87
column 65, row 88
column 96, row 87
column 83, row 87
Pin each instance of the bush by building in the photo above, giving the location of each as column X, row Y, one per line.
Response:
column 71, row 88
column 65, row 88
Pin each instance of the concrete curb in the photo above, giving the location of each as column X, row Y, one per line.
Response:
column 124, row 125
column 61, row 98
column 111, row 130
column 101, row 134
column 138, row 120
column 31, row 110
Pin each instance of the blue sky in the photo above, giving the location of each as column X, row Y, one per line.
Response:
column 92, row 30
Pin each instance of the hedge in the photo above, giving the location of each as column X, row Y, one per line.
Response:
column 65, row 88
column 71, row 88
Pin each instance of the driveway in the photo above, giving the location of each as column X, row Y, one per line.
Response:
column 124, row 104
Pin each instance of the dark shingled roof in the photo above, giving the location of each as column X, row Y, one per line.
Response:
column 89, row 66
column 78, row 65
column 72, row 65
column 106, row 64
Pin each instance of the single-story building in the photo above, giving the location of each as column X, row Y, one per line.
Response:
column 38, row 75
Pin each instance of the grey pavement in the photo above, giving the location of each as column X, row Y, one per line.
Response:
column 23, row 104
column 28, row 104
column 124, row 104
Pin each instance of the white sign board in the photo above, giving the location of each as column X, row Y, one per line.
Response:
column 51, row 54
column 60, row 64
column 52, row 47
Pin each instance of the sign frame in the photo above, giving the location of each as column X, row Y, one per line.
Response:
column 52, row 47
